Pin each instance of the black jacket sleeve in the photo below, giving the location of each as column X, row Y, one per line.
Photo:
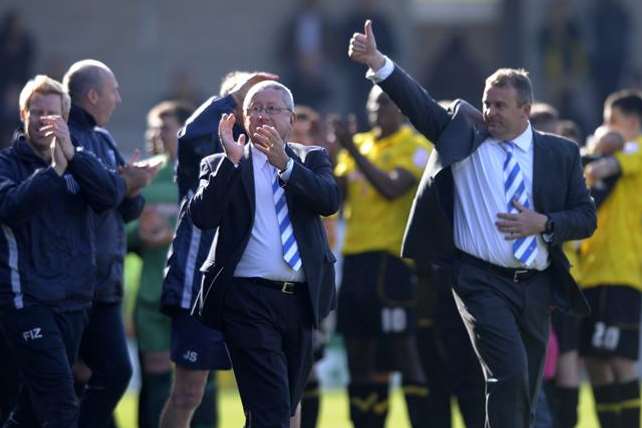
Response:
column 579, row 220
column 131, row 208
column 219, row 180
column 19, row 201
column 425, row 114
column 313, row 182
column 101, row 189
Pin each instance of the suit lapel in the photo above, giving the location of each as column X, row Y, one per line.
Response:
column 539, row 163
column 247, row 175
column 288, row 196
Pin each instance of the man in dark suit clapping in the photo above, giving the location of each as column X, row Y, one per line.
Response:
column 269, row 277
column 496, row 201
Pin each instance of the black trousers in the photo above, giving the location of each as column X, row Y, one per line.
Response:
column 508, row 323
column 104, row 349
column 44, row 345
column 269, row 337
column 448, row 359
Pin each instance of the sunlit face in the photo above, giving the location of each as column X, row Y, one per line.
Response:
column 162, row 134
column 108, row 98
column 503, row 114
column 382, row 111
column 282, row 120
column 626, row 124
column 40, row 105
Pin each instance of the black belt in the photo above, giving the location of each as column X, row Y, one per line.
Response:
column 514, row 274
column 285, row 287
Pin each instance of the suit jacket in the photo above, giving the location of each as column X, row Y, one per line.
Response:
column 559, row 189
column 225, row 201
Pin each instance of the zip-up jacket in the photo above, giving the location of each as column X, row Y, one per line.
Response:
column 47, row 239
column 111, row 243
column 189, row 249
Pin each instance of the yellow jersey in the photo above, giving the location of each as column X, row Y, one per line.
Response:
column 374, row 223
column 612, row 254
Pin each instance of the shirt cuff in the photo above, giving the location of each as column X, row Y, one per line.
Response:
column 382, row 73
column 285, row 174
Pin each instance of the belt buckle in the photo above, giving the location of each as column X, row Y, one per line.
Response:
column 287, row 288
column 517, row 273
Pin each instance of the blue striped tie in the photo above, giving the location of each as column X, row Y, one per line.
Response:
column 288, row 241
column 524, row 249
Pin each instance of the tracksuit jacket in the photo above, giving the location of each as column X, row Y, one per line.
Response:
column 111, row 242
column 47, row 238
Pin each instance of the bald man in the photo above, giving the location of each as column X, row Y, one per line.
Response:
column 94, row 96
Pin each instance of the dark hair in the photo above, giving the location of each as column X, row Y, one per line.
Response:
column 178, row 109
column 543, row 116
column 516, row 78
column 571, row 130
column 629, row 101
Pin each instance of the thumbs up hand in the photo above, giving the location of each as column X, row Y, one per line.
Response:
column 363, row 48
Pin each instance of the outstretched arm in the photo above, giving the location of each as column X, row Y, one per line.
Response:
column 426, row 115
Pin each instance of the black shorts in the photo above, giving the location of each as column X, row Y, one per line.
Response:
column 613, row 327
column 567, row 330
column 196, row 347
column 377, row 296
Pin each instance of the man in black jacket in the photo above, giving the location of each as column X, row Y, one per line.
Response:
column 269, row 277
column 195, row 348
column 488, row 205
column 48, row 190
column 94, row 96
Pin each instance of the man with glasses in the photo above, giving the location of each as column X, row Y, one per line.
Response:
column 269, row 277
column 194, row 348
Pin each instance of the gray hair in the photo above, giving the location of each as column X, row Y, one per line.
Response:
column 286, row 94
column 83, row 76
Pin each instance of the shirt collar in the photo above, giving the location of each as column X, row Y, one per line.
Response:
column 259, row 157
column 525, row 139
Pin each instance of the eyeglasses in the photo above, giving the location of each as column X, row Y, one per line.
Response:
column 268, row 111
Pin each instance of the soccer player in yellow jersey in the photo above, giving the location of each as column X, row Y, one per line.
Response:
column 379, row 171
column 610, row 270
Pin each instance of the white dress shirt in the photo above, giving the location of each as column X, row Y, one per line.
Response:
column 480, row 196
column 263, row 256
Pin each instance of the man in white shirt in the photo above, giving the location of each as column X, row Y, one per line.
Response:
column 496, row 201
column 269, row 277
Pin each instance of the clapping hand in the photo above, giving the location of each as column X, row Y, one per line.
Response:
column 341, row 131
column 233, row 149
column 239, row 91
column 268, row 141
column 62, row 151
column 363, row 48
column 137, row 175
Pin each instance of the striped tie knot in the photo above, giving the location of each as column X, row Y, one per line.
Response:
column 524, row 249
column 288, row 241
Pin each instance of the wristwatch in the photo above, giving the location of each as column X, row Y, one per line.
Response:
column 550, row 225
column 549, row 230
column 287, row 165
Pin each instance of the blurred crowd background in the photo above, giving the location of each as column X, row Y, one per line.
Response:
column 577, row 51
